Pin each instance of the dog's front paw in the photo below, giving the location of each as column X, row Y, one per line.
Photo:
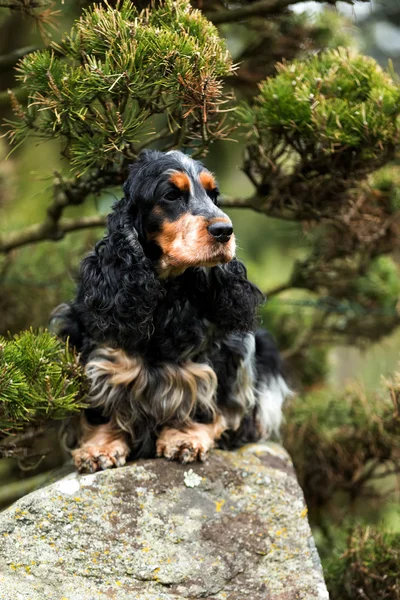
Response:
column 184, row 446
column 91, row 458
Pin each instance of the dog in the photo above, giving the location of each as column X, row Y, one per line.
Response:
column 165, row 321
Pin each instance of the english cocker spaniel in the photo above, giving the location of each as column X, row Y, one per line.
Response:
column 165, row 323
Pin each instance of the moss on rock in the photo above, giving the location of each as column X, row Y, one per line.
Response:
column 141, row 532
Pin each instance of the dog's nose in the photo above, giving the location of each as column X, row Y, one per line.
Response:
column 221, row 231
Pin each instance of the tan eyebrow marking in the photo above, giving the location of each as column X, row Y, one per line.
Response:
column 207, row 181
column 181, row 180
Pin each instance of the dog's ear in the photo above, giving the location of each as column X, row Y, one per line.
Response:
column 119, row 286
column 233, row 299
column 144, row 161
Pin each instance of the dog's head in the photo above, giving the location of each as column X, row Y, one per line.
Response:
column 172, row 200
column 167, row 222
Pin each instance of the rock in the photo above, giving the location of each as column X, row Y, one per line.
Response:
column 141, row 532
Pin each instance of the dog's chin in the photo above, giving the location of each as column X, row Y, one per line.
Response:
column 212, row 255
column 221, row 259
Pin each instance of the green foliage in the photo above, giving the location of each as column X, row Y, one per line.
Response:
column 341, row 442
column 306, row 363
column 368, row 569
column 357, row 293
column 36, row 280
column 387, row 181
column 100, row 89
column 333, row 102
column 39, row 379
column 319, row 127
column 380, row 285
column 365, row 285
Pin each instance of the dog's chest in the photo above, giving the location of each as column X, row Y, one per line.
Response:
column 181, row 331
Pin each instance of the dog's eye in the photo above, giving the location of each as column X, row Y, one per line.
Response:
column 214, row 195
column 173, row 195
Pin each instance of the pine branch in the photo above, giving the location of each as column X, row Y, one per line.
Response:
column 40, row 380
column 40, row 10
column 71, row 192
column 41, row 232
column 175, row 67
column 368, row 568
column 279, row 289
column 229, row 202
column 267, row 205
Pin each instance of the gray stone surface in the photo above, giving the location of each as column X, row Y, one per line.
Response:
column 155, row 531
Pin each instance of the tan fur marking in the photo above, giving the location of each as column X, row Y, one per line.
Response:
column 191, row 442
column 180, row 387
column 102, row 447
column 181, row 180
column 207, row 181
column 186, row 242
column 120, row 368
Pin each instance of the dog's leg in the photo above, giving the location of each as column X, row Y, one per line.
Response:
column 101, row 447
column 191, row 442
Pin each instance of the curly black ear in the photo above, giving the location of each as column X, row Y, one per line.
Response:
column 119, row 287
column 234, row 299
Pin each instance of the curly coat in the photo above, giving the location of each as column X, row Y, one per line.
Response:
column 165, row 321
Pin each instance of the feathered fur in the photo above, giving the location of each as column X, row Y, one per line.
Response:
column 165, row 320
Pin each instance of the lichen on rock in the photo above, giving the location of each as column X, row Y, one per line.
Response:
column 140, row 532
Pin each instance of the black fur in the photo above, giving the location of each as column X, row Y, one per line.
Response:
column 202, row 314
